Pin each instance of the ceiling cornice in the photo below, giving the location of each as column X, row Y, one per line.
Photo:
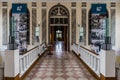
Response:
column 60, row 0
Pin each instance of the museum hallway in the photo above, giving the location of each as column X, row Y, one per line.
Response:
column 62, row 65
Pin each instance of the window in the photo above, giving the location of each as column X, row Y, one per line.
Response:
column 82, row 37
column 58, row 35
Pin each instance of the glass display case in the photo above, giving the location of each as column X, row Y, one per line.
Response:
column 19, row 27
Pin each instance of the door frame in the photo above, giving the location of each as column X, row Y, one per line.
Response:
column 51, row 29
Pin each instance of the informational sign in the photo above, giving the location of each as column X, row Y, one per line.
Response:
column 98, row 23
column 19, row 23
column 19, row 8
column 98, row 9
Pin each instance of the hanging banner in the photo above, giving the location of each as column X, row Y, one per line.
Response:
column 19, row 23
column 19, row 8
column 98, row 9
column 98, row 23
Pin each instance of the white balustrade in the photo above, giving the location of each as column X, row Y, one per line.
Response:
column 75, row 48
column 27, row 59
column 91, row 59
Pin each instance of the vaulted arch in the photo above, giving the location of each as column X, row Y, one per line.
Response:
column 59, row 22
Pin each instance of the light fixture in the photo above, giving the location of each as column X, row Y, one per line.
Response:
column 38, row 23
column 78, row 24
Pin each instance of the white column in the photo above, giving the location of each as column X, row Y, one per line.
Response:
column 30, row 12
column 11, row 63
column 107, row 63
column 117, row 27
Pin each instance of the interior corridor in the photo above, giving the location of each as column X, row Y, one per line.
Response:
column 59, row 46
column 62, row 65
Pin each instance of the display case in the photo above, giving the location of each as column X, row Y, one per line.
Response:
column 19, row 27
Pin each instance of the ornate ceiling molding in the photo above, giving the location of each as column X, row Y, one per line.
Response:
column 60, row 0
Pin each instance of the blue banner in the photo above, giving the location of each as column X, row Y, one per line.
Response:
column 99, row 9
column 19, row 8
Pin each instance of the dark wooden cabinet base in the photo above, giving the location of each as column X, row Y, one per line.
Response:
column 12, row 78
column 102, row 77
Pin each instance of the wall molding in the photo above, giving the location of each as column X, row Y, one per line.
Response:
column 62, row 0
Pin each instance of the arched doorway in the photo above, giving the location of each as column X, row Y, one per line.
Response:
column 59, row 25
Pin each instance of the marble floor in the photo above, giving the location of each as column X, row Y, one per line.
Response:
column 62, row 65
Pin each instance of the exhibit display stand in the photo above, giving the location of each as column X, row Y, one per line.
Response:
column 107, row 65
column 18, row 28
column 11, row 70
column 107, row 60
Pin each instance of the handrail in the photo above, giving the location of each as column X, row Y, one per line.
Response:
column 32, row 49
column 29, row 50
column 74, row 43
column 42, row 43
column 89, row 50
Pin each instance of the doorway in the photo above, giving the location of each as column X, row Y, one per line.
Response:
column 59, row 26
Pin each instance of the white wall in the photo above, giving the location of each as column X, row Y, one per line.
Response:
column 67, row 4
column 0, row 24
column 78, row 20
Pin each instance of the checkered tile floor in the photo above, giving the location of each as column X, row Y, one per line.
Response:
column 59, row 66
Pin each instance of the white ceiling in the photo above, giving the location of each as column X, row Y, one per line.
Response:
column 60, row 0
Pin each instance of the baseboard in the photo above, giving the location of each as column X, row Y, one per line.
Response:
column 76, row 54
